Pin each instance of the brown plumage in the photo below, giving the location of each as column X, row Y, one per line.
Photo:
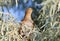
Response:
column 26, row 24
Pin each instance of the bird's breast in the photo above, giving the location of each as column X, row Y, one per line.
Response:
column 27, row 27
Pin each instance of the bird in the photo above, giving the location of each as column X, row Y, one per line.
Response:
column 27, row 24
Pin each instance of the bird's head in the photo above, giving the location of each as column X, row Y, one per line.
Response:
column 29, row 11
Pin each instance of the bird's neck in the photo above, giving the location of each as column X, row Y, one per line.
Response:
column 28, row 17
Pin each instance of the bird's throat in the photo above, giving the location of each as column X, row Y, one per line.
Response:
column 28, row 17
